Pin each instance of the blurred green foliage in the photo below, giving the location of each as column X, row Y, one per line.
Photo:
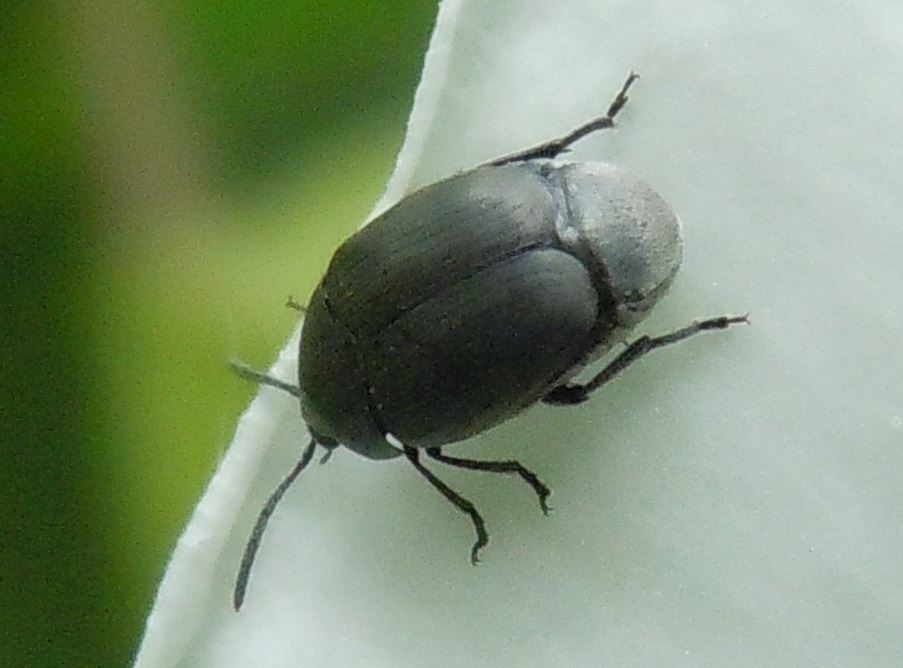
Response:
column 171, row 172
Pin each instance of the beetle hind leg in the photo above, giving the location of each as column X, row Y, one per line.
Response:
column 456, row 499
column 555, row 147
column 511, row 466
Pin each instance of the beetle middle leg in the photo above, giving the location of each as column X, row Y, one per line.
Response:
column 575, row 393
column 555, row 147
column 459, row 502
column 511, row 466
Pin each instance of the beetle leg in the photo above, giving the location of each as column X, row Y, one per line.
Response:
column 459, row 502
column 248, row 373
column 555, row 147
column 512, row 466
column 577, row 393
column 295, row 306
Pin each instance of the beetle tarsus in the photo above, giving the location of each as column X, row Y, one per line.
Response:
column 621, row 98
column 510, row 466
column 456, row 499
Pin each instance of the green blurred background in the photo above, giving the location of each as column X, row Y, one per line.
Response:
column 171, row 172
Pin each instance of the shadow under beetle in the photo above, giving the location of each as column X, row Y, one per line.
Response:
column 472, row 299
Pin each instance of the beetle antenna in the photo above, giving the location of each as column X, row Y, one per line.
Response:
column 247, row 559
column 555, row 147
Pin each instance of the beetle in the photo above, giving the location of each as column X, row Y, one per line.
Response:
column 473, row 298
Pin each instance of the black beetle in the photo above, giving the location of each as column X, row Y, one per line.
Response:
column 474, row 298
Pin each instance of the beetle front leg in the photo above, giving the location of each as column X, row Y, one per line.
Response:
column 459, row 502
column 565, row 395
column 509, row 466
column 248, row 373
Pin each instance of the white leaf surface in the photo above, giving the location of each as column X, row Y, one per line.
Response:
column 736, row 500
